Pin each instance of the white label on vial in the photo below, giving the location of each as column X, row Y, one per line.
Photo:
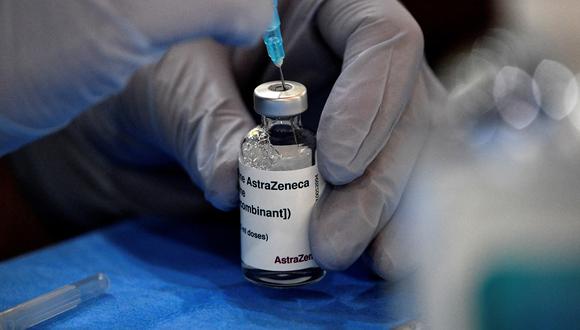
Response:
column 275, row 209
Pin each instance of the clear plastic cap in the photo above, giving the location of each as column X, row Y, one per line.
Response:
column 273, row 100
column 56, row 302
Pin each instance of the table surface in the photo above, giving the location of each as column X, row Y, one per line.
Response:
column 185, row 274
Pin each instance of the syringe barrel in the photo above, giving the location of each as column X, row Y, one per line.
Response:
column 273, row 38
column 53, row 303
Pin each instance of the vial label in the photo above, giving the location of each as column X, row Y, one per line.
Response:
column 275, row 209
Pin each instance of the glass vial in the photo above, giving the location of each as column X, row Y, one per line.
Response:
column 279, row 185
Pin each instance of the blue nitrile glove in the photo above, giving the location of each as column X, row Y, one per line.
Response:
column 364, row 55
column 58, row 58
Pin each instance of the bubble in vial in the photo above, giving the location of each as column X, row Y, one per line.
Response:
column 257, row 152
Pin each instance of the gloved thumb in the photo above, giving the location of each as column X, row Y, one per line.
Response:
column 189, row 105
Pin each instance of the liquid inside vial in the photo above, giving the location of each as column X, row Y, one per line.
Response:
column 280, row 145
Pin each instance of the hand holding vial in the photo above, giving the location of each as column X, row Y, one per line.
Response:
column 189, row 109
column 372, row 126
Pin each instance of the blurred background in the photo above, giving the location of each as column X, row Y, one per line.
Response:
column 494, row 205
column 553, row 25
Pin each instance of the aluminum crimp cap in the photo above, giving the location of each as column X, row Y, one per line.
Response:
column 271, row 100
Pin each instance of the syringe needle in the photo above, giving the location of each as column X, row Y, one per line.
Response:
column 282, row 78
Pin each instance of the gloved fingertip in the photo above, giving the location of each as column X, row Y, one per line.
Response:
column 337, row 176
column 221, row 182
column 327, row 258
column 327, row 248
column 335, row 172
column 222, row 201
column 237, row 39
column 383, row 266
column 244, row 23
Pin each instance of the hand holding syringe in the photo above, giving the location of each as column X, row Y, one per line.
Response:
column 274, row 43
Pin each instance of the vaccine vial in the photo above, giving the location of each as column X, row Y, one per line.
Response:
column 279, row 186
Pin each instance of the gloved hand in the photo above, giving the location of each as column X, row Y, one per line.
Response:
column 372, row 127
column 120, row 158
column 57, row 58
column 365, row 56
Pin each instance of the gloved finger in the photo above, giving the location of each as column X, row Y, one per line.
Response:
column 349, row 217
column 58, row 58
column 393, row 253
column 170, row 21
column 113, row 175
column 195, row 114
column 382, row 50
column 397, row 250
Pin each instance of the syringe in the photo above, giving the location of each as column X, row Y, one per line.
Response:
column 53, row 303
column 274, row 43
